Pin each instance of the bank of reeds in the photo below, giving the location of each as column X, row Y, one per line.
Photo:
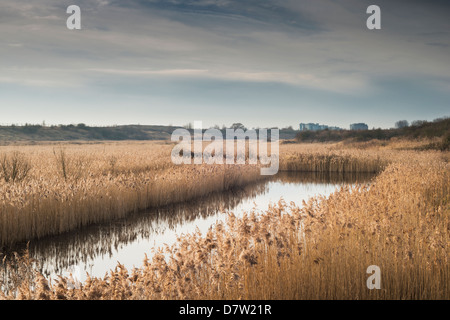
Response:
column 330, row 159
column 321, row 250
column 69, row 186
column 72, row 186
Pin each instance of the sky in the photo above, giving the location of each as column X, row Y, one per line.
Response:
column 262, row 63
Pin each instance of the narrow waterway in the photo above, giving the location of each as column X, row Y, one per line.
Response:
column 97, row 249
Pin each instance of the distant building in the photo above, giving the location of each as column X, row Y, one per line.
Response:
column 359, row 126
column 316, row 127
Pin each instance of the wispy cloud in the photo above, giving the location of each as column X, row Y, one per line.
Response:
column 172, row 72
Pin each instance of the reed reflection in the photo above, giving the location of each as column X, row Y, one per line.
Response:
column 56, row 254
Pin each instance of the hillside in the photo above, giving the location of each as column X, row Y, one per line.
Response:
column 439, row 128
column 38, row 133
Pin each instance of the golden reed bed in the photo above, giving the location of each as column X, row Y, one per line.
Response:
column 73, row 185
column 318, row 251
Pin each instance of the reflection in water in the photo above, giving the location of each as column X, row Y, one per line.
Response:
column 107, row 243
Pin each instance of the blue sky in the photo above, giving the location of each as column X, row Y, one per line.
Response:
column 261, row 63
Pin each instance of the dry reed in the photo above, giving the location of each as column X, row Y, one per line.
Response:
column 318, row 251
column 72, row 186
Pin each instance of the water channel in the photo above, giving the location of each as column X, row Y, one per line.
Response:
column 97, row 249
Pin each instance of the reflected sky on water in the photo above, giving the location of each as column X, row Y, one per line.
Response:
column 97, row 249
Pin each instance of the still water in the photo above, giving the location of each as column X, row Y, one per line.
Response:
column 97, row 249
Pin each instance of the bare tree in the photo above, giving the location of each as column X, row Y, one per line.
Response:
column 14, row 167
column 238, row 125
column 401, row 124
